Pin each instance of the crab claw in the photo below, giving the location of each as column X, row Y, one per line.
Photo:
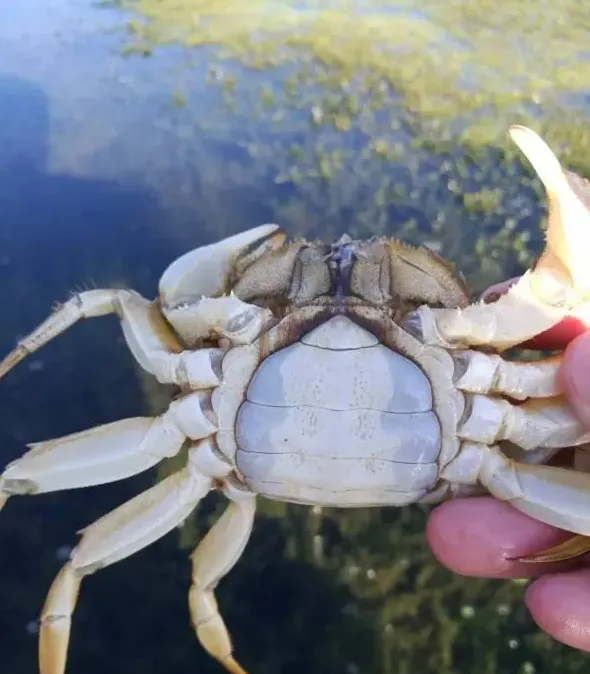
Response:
column 565, row 258
column 204, row 272
column 560, row 280
column 556, row 288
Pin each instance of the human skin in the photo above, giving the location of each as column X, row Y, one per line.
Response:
column 479, row 535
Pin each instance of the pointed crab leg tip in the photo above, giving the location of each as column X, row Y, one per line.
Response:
column 233, row 666
column 572, row 548
column 3, row 499
column 11, row 360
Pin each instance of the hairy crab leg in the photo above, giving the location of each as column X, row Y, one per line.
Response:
column 87, row 304
column 478, row 372
column 191, row 278
column 557, row 287
column 127, row 529
column 557, row 496
column 111, row 452
column 547, row 422
column 213, row 558
column 148, row 336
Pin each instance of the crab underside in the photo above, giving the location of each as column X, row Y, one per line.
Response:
column 349, row 374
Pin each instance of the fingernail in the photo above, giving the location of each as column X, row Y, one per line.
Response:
column 576, row 375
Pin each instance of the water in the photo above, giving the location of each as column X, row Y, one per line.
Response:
column 112, row 166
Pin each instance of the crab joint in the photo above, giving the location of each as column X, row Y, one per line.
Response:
column 56, row 620
column 478, row 372
column 545, row 422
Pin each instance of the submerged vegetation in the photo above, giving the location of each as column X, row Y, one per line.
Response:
column 463, row 70
column 372, row 113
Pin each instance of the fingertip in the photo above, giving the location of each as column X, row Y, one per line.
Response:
column 479, row 536
column 558, row 336
column 560, row 605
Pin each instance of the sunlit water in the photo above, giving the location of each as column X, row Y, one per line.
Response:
column 107, row 173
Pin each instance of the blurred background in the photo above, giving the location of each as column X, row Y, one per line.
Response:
column 133, row 131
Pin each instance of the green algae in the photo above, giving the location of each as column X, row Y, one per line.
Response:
column 487, row 64
column 392, row 110
column 483, row 201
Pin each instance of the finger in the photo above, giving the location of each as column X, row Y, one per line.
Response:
column 560, row 605
column 575, row 376
column 477, row 536
column 557, row 337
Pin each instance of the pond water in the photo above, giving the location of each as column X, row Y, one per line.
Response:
column 119, row 153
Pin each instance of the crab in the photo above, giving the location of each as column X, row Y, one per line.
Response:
column 343, row 374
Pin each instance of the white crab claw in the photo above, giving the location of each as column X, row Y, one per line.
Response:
column 224, row 316
column 568, row 233
column 203, row 271
column 557, row 287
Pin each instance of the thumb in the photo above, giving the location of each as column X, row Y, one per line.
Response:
column 575, row 375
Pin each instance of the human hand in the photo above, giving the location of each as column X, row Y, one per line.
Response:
column 478, row 536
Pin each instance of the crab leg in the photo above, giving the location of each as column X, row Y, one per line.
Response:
column 557, row 287
column 573, row 547
column 191, row 279
column 150, row 339
column 111, row 452
column 556, row 496
column 86, row 304
column 213, row 558
column 478, row 372
column 127, row 529
column 547, row 422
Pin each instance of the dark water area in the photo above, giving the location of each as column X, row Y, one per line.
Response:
column 107, row 173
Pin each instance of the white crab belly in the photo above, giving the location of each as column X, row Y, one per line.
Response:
column 338, row 419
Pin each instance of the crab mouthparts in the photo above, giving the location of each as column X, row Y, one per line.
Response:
column 341, row 259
